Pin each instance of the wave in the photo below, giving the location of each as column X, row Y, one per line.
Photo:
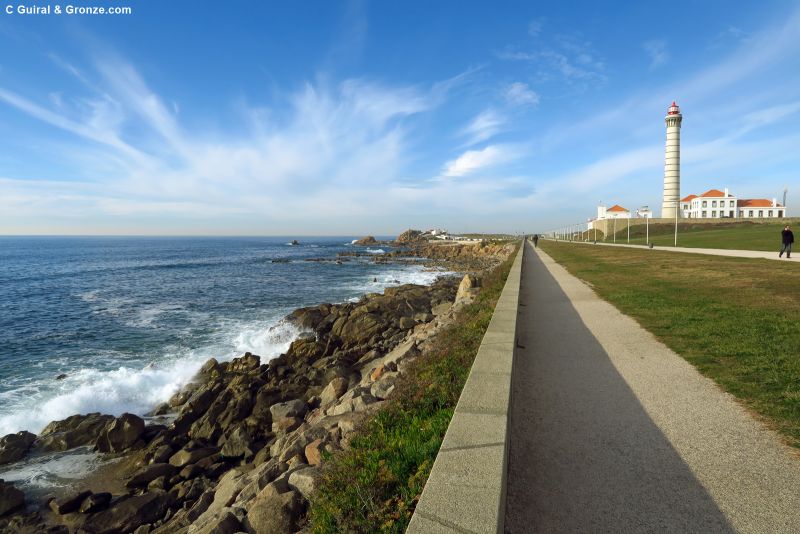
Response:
column 134, row 389
column 376, row 251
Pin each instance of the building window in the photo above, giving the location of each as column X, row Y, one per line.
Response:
column 713, row 203
column 704, row 214
column 760, row 213
column 780, row 213
column 769, row 214
column 741, row 213
column 705, row 204
column 714, row 213
column 732, row 204
column 751, row 213
column 731, row 214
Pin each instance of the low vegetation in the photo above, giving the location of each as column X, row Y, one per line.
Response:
column 375, row 484
column 742, row 235
column 737, row 320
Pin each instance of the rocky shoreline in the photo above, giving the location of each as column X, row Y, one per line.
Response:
column 240, row 448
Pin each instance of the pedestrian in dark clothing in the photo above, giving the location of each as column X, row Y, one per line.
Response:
column 535, row 240
column 787, row 238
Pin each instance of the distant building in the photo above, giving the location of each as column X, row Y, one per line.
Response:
column 644, row 213
column 716, row 204
column 614, row 212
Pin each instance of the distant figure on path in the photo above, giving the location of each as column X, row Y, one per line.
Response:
column 787, row 238
column 535, row 240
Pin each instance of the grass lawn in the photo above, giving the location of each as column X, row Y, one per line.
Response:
column 739, row 235
column 374, row 485
column 737, row 320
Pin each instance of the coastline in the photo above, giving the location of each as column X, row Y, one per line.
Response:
column 250, row 424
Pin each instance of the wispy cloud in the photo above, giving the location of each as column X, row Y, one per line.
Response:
column 472, row 161
column 520, row 94
column 568, row 58
column 535, row 27
column 657, row 51
column 483, row 127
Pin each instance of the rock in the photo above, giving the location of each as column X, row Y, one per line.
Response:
column 410, row 236
column 407, row 323
column 62, row 376
column 161, row 454
column 184, row 457
column 383, row 388
column 237, row 445
column 467, row 289
column 70, row 503
column 14, row 447
column 287, row 416
column 440, row 309
column 120, row 434
column 335, row 389
column 95, row 502
column 377, row 373
column 149, row 473
column 223, row 521
column 313, row 452
column 190, row 471
column 200, row 505
column 306, row 480
column 74, row 431
column 275, row 514
column 11, row 499
column 129, row 513
column 367, row 240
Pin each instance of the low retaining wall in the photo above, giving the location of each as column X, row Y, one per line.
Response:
column 466, row 490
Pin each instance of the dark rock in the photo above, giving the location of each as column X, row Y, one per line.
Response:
column 149, row 473
column 14, row 447
column 11, row 499
column 95, row 502
column 184, row 457
column 68, row 504
column 129, row 513
column 368, row 240
column 74, row 431
column 120, row 434
column 62, row 376
column 237, row 445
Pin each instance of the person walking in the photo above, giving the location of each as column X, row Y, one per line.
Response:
column 787, row 238
column 535, row 240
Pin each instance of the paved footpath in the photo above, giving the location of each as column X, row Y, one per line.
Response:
column 611, row 431
column 711, row 251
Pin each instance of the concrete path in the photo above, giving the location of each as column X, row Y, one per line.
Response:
column 712, row 251
column 613, row 432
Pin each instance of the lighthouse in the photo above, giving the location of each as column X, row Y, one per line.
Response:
column 672, row 163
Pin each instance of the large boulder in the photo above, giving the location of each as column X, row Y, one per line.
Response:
column 14, row 447
column 120, row 434
column 272, row 513
column 149, row 473
column 335, row 389
column 11, row 499
column 410, row 236
column 69, row 503
column 74, row 431
column 129, row 513
column 185, row 457
column 366, row 240
column 467, row 289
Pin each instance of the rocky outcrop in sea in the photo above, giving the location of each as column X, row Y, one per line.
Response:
column 240, row 448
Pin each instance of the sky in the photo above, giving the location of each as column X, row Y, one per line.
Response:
column 353, row 118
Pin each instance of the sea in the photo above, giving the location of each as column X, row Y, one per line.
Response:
column 119, row 324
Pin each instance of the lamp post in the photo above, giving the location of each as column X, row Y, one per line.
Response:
column 615, row 230
column 629, row 228
column 676, row 222
column 647, row 229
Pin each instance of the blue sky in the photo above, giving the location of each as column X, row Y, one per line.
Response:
column 371, row 117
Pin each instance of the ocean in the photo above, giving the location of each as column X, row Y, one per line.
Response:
column 129, row 320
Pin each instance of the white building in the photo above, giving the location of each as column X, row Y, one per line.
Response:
column 716, row 204
column 644, row 213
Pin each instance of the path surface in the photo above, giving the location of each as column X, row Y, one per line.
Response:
column 712, row 251
column 613, row 432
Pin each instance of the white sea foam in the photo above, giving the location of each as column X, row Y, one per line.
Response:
column 42, row 474
column 135, row 389
column 376, row 251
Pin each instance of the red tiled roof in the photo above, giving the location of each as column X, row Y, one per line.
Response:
column 689, row 198
column 756, row 203
column 616, row 207
column 713, row 193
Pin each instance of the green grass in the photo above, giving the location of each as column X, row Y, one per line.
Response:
column 737, row 320
column 375, row 484
column 727, row 235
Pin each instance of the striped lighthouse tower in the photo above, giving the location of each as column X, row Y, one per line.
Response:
column 672, row 163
